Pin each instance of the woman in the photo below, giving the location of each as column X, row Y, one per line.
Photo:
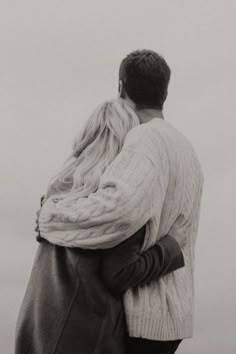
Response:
column 73, row 302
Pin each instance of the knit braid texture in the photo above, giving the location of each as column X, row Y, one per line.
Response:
column 156, row 180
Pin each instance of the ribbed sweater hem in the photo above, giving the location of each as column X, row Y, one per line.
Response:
column 159, row 328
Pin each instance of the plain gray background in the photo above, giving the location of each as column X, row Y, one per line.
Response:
column 58, row 60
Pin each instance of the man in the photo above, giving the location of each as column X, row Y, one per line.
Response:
column 156, row 180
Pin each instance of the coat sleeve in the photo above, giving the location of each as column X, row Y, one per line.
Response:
column 125, row 267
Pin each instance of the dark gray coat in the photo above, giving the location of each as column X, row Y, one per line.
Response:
column 73, row 302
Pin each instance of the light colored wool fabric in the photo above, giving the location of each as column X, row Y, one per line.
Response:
column 156, row 179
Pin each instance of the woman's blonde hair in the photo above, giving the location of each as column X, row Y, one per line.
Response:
column 94, row 149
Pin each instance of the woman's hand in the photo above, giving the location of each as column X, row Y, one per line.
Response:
column 38, row 237
column 179, row 235
column 181, row 239
column 37, row 221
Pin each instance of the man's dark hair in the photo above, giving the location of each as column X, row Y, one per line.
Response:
column 145, row 76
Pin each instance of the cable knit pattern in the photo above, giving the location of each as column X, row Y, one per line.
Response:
column 156, row 179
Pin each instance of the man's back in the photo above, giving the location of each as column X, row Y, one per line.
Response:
column 168, row 304
column 183, row 194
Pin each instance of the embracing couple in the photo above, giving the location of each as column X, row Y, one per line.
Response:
column 114, row 271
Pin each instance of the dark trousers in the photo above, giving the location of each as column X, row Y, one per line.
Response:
column 145, row 346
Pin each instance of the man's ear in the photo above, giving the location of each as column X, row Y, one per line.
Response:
column 120, row 88
column 165, row 97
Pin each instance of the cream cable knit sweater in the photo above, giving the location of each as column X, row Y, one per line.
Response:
column 156, row 179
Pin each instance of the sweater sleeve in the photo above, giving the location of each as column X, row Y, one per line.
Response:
column 130, row 192
column 124, row 266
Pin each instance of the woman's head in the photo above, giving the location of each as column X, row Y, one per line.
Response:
column 94, row 149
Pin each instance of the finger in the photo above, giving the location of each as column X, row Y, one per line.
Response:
column 41, row 200
column 39, row 238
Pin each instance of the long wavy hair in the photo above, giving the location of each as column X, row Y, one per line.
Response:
column 93, row 150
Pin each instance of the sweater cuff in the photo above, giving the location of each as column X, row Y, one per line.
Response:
column 173, row 252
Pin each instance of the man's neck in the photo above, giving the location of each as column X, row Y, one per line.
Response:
column 145, row 115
